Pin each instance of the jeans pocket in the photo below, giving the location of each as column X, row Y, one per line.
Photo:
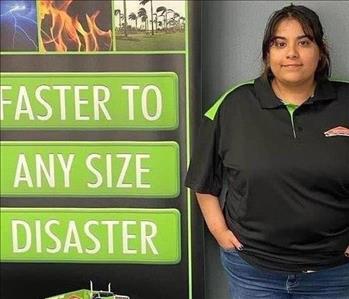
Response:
column 229, row 250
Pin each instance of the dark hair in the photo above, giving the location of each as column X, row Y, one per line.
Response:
column 312, row 27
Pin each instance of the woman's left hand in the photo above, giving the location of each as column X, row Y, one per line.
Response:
column 346, row 253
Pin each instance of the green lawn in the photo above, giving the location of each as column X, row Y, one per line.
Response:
column 157, row 42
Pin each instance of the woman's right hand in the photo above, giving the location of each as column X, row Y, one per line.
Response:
column 227, row 240
column 214, row 218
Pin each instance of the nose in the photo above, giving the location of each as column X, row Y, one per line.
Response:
column 292, row 51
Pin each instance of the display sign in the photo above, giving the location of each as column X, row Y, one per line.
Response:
column 96, row 104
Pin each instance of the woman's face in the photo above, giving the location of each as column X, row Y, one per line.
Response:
column 293, row 57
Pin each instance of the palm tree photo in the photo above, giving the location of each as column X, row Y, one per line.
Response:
column 149, row 25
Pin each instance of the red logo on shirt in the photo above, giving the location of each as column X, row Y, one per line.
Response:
column 337, row 131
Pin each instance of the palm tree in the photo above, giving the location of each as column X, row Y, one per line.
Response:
column 162, row 10
column 144, row 2
column 145, row 20
column 172, row 23
column 142, row 13
column 168, row 21
column 170, row 11
column 167, row 12
column 156, row 21
column 176, row 18
column 183, row 21
column 132, row 16
column 125, row 19
column 117, row 12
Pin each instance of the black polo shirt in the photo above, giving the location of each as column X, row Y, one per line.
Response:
column 287, row 197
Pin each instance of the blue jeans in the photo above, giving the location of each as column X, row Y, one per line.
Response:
column 248, row 282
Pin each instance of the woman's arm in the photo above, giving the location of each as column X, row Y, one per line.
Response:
column 215, row 221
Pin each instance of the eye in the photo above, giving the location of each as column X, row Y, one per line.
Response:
column 304, row 42
column 279, row 44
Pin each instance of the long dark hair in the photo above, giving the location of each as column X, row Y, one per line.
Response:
column 312, row 27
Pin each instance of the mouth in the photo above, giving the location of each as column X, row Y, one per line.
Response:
column 291, row 65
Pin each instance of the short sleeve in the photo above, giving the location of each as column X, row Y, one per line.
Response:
column 205, row 169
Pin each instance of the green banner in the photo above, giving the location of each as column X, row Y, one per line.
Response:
column 90, row 235
column 89, row 168
column 143, row 101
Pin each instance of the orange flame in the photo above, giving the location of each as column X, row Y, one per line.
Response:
column 61, row 32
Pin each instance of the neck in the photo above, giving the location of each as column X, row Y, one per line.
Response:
column 293, row 93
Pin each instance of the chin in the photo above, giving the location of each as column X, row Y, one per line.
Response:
column 295, row 79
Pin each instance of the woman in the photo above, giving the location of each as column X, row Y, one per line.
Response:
column 280, row 147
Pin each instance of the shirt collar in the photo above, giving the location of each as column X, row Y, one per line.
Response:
column 267, row 98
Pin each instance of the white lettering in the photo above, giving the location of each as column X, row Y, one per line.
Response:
column 89, row 237
column 62, row 96
column 3, row 101
column 92, row 237
column 72, row 239
column 110, row 227
column 101, row 95
column 127, row 159
column 99, row 178
column 126, row 236
column 130, row 91
column 79, row 102
column 66, row 167
column 52, row 236
column 38, row 236
column 41, row 168
column 140, row 170
column 27, row 236
column 23, row 98
column 147, row 239
column 158, row 98
column 43, row 102
column 22, row 166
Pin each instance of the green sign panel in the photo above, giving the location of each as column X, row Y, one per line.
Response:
column 89, row 168
column 89, row 100
column 90, row 235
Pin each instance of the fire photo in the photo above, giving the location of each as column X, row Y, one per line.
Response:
column 72, row 25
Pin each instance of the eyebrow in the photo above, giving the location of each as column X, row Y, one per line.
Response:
column 298, row 37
